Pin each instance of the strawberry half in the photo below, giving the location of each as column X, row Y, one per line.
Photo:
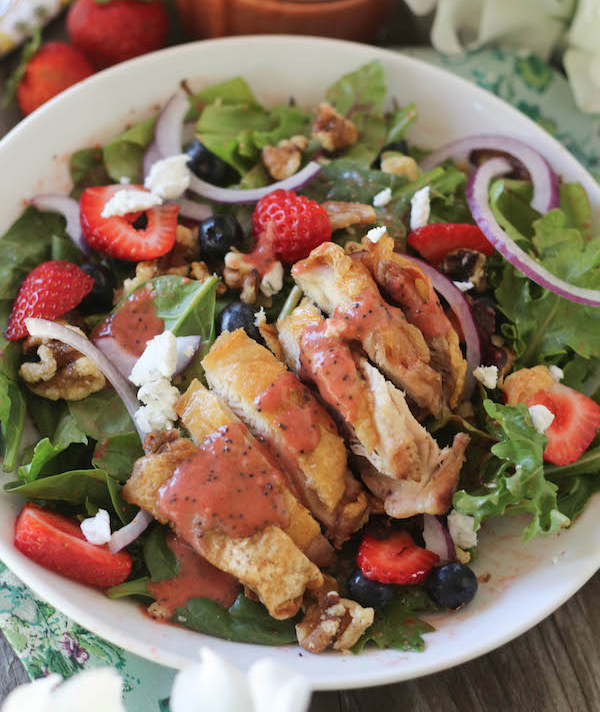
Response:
column 396, row 559
column 576, row 422
column 49, row 291
column 57, row 543
column 116, row 236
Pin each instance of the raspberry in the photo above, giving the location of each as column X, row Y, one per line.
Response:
column 297, row 224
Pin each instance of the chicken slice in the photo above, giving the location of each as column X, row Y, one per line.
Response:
column 410, row 288
column 282, row 413
column 342, row 287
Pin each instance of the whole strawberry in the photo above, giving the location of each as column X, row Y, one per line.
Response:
column 49, row 291
column 111, row 32
column 52, row 69
column 297, row 224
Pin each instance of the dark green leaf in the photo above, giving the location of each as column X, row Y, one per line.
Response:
column 124, row 511
column 10, row 351
column 130, row 588
column 160, row 560
column 64, row 249
column 87, row 169
column 117, row 454
column 29, row 49
column 398, row 121
column 101, row 415
column 12, row 420
column 588, row 463
column 123, row 156
column 574, row 493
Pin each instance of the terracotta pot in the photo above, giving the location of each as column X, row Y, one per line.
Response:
column 344, row 19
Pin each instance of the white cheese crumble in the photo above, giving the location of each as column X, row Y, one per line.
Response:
column 463, row 286
column 420, row 208
column 462, row 530
column 488, row 375
column 129, row 201
column 376, row 233
column 382, row 198
column 170, row 177
column 159, row 360
column 260, row 317
column 542, row 417
column 124, row 180
column 97, row 529
column 556, row 373
column 158, row 413
column 272, row 282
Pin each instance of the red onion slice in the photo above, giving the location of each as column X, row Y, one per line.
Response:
column 186, row 350
column 69, row 208
column 231, row 195
column 459, row 305
column 151, row 155
column 50, row 330
column 117, row 355
column 477, row 194
column 130, row 532
column 545, row 182
column 168, row 134
column 194, row 211
column 437, row 539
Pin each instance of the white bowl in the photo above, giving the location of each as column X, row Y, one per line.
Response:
column 527, row 582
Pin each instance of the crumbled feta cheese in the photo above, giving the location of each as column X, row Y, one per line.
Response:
column 189, row 351
column 462, row 529
column 463, row 286
column 97, row 529
column 124, row 180
column 260, row 318
column 555, row 560
column 420, row 208
column 556, row 373
column 542, row 417
column 382, row 198
column 159, row 360
column 488, row 375
column 376, row 233
column 170, row 177
column 129, row 200
column 159, row 397
column 272, row 282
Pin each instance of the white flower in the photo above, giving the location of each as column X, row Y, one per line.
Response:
column 97, row 529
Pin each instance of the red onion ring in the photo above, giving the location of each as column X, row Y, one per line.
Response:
column 151, row 155
column 130, row 532
column 459, row 305
column 437, row 539
column 51, row 330
column 545, row 182
column 231, row 195
column 477, row 193
column 168, row 134
column 185, row 344
column 194, row 211
column 69, row 208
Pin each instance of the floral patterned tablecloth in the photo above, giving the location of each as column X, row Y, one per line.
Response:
column 47, row 641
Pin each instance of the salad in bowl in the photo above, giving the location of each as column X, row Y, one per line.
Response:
column 284, row 365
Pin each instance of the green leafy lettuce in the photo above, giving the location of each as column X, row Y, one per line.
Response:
column 123, row 156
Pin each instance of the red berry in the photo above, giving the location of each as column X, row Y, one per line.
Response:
column 576, row 422
column 396, row 559
column 52, row 69
column 112, row 32
column 57, row 543
column 297, row 224
column 116, row 236
column 433, row 242
column 49, row 291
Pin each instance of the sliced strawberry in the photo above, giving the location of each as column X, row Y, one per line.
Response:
column 433, row 242
column 576, row 422
column 49, row 291
column 396, row 559
column 56, row 543
column 116, row 236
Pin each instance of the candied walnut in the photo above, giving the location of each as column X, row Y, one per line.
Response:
column 158, row 441
column 61, row 372
column 332, row 130
column 239, row 274
column 343, row 214
column 332, row 622
column 143, row 272
column 400, row 165
column 521, row 385
column 283, row 160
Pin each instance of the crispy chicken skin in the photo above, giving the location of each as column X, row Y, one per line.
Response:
column 268, row 562
column 202, row 413
column 410, row 288
column 283, row 413
column 343, row 287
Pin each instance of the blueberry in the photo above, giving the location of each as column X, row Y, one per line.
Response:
column 218, row 234
column 100, row 299
column 370, row 594
column 451, row 585
column 206, row 165
column 240, row 316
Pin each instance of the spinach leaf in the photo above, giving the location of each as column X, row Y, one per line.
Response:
column 10, row 351
column 12, row 420
column 513, row 480
column 117, row 454
column 87, row 169
column 398, row 121
column 64, row 249
column 232, row 91
column 45, row 414
column 160, row 560
column 131, row 588
column 575, row 492
column 101, row 415
column 123, row 155
column 124, row 511
column 245, row 622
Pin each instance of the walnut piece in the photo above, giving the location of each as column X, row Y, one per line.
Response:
column 283, row 160
column 61, row 372
column 332, row 130
column 239, row 274
column 343, row 214
column 332, row 622
column 400, row 165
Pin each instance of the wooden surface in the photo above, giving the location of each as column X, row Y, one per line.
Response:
column 553, row 668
